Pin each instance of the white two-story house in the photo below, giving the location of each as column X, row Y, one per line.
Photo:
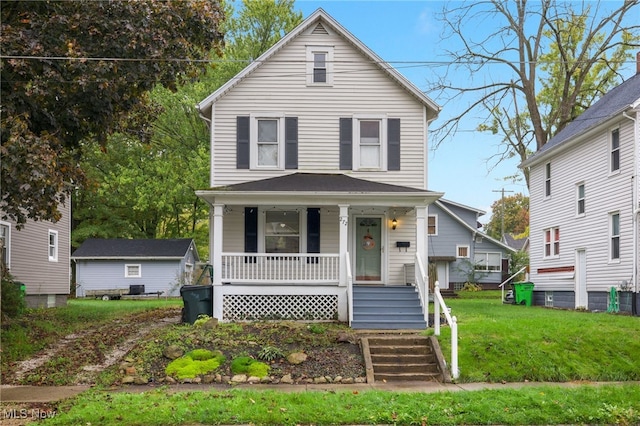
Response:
column 584, row 205
column 318, row 182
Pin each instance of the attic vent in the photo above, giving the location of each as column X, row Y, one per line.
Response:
column 319, row 29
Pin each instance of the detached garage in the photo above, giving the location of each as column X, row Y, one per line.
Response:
column 125, row 266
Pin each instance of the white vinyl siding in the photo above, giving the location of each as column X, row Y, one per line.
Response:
column 359, row 89
column 606, row 193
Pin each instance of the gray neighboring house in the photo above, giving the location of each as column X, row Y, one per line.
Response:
column 38, row 256
column 161, row 265
column 460, row 251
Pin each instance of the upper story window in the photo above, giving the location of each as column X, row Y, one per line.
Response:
column 487, row 261
column 552, row 242
column 547, row 180
column 580, row 199
column 615, row 150
column 282, row 231
column 53, row 246
column 462, row 252
column 5, row 244
column 133, row 271
column 320, row 65
column 615, row 236
column 369, row 144
column 432, row 225
column 267, row 141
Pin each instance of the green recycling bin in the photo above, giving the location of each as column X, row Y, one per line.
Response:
column 198, row 300
column 523, row 293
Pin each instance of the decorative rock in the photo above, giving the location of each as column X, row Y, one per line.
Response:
column 173, row 352
column 297, row 358
column 208, row 378
column 329, row 379
column 286, row 379
column 170, row 380
column 337, row 379
column 320, row 380
column 140, row 380
column 226, row 379
column 239, row 378
column 218, row 378
column 361, row 380
column 346, row 338
column 253, row 379
column 130, row 371
column 347, row 380
column 127, row 380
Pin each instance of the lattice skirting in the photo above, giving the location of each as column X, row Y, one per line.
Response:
column 274, row 307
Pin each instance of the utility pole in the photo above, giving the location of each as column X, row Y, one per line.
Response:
column 501, row 211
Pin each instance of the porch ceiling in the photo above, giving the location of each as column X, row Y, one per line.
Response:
column 319, row 189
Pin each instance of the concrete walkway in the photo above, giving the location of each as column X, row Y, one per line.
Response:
column 47, row 394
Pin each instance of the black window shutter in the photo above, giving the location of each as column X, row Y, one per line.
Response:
column 250, row 232
column 346, row 141
column 291, row 143
column 313, row 233
column 242, row 142
column 393, row 144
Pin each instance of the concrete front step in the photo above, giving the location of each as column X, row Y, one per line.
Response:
column 403, row 358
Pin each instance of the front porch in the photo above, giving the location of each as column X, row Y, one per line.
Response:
column 293, row 247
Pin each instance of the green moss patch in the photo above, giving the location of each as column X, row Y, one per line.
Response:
column 195, row 363
column 249, row 366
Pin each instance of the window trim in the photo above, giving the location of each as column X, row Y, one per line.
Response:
column 553, row 243
column 382, row 159
column 614, row 237
column 486, row 254
column 461, row 246
column 253, row 140
column 580, row 199
column 126, row 270
column 55, row 246
column 614, row 153
column 310, row 60
column 8, row 243
column 435, row 225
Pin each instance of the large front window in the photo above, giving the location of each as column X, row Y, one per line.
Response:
column 485, row 261
column 282, row 231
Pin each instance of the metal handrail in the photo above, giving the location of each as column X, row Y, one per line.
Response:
column 509, row 279
column 438, row 302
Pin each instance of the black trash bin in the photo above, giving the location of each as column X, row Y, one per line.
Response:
column 198, row 300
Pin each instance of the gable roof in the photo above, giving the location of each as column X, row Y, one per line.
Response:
column 515, row 243
column 470, row 228
column 98, row 248
column 612, row 104
column 323, row 18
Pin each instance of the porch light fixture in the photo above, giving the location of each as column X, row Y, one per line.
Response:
column 394, row 224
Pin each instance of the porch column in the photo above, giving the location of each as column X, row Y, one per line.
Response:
column 344, row 242
column 216, row 255
column 422, row 251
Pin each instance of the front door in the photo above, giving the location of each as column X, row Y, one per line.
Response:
column 368, row 249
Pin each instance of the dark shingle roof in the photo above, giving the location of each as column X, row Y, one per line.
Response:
column 611, row 104
column 124, row 248
column 317, row 182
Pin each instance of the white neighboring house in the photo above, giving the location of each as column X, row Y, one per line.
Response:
column 38, row 256
column 134, row 266
column 584, row 205
column 318, row 182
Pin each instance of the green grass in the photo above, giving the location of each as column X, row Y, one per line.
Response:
column 39, row 328
column 515, row 343
column 605, row 404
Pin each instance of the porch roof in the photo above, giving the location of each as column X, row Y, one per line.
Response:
column 318, row 189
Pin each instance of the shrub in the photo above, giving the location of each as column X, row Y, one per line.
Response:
column 13, row 304
column 249, row 366
column 269, row 353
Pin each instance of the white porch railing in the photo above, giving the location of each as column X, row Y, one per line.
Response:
column 509, row 279
column 349, row 276
column 438, row 302
column 299, row 268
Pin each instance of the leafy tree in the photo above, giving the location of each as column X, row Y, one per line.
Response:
column 78, row 70
column 145, row 188
column 547, row 61
column 512, row 212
